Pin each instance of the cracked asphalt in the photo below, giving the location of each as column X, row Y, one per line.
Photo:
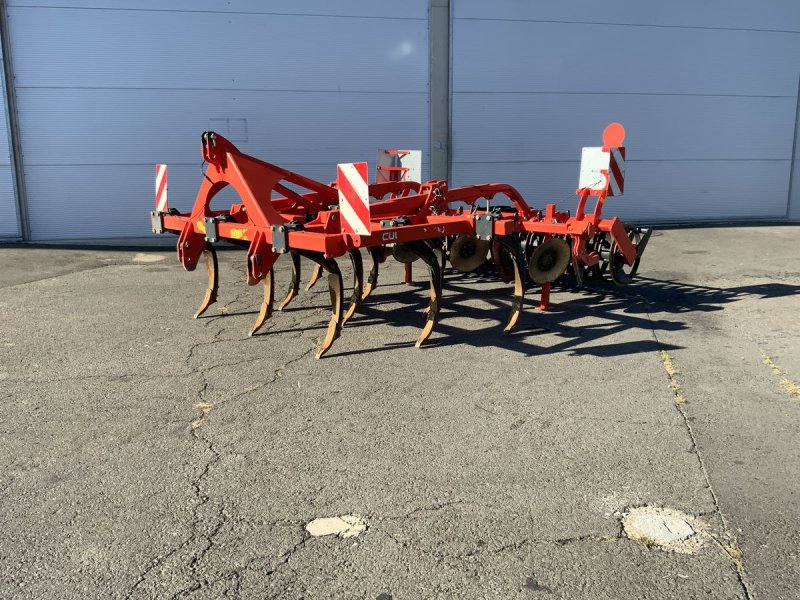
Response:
column 144, row 454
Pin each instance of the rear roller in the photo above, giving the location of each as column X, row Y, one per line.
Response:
column 621, row 273
column 335, row 287
column 358, row 284
column 294, row 288
column 212, row 268
column 549, row 260
column 511, row 247
column 266, row 306
column 467, row 253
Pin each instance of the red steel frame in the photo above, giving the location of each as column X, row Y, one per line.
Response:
column 307, row 222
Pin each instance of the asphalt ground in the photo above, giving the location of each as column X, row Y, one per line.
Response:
column 144, row 454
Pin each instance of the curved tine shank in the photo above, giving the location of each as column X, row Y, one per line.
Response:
column 212, row 267
column 375, row 253
column 294, row 288
column 512, row 245
column 315, row 275
column 335, row 287
column 266, row 306
column 503, row 272
column 439, row 253
column 358, row 284
column 427, row 255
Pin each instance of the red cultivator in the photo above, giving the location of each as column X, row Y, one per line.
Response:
column 409, row 220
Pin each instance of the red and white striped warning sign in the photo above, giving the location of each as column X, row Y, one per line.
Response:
column 161, row 188
column 351, row 180
column 616, row 171
column 603, row 170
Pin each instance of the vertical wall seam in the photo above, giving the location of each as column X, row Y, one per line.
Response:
column 793, row 164
column 12, row 122
column 449, row 91
column 439, row 87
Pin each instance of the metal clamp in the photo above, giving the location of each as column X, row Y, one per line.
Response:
column 396, row 222
column 157, row 221
column 211, row 229
column 280, row 241
column 484, row 226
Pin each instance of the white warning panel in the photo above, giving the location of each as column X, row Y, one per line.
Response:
column 603, row 170
column 399, row 165
column 161, row 188
column 351, row 180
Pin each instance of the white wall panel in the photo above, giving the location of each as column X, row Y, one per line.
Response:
column 108, row 88
column 778, row 15
column 707, row 92
column 196, row 50
column 655, row 191
column 165, row 125
column 522, row 56
column 414, row 9
column 556, row 126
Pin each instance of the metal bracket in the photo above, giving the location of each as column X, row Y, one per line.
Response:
column 643, row 243
column 396, row 222
column 157, row 221
column 280, row 241
column 484, row 226
column 211, row 229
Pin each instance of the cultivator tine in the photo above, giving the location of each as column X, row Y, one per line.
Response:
column 295, row 285
column 376, row 254
column 512, row 245
column 213, row 280
column 266, row 306
column 315, row 275
column 437, row 247
column 358, row 284
column 336, row 288
column 504, row 270
column 428, row 256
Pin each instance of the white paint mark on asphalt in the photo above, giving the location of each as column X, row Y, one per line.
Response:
column 143, row 258
column 345, row 526
column 666, row 528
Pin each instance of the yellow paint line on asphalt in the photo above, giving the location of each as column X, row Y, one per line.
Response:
column 672, row 373
column 789, row 385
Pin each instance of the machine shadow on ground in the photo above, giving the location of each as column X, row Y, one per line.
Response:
column 580, row 321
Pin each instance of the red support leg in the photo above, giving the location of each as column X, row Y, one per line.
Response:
column 407, row 273
column 544, row 303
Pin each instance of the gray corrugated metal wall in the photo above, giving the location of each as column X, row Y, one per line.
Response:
column 117, row 86
column 707, row 91
column 9, row 225
column 107, row 88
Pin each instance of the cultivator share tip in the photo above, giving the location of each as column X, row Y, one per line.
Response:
column 282, row 212
column 377, row 256
column 336, row 289
column 294, row 287
column 265, row 312
column 358, row 283
column 315, row 275
column 213, row 280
